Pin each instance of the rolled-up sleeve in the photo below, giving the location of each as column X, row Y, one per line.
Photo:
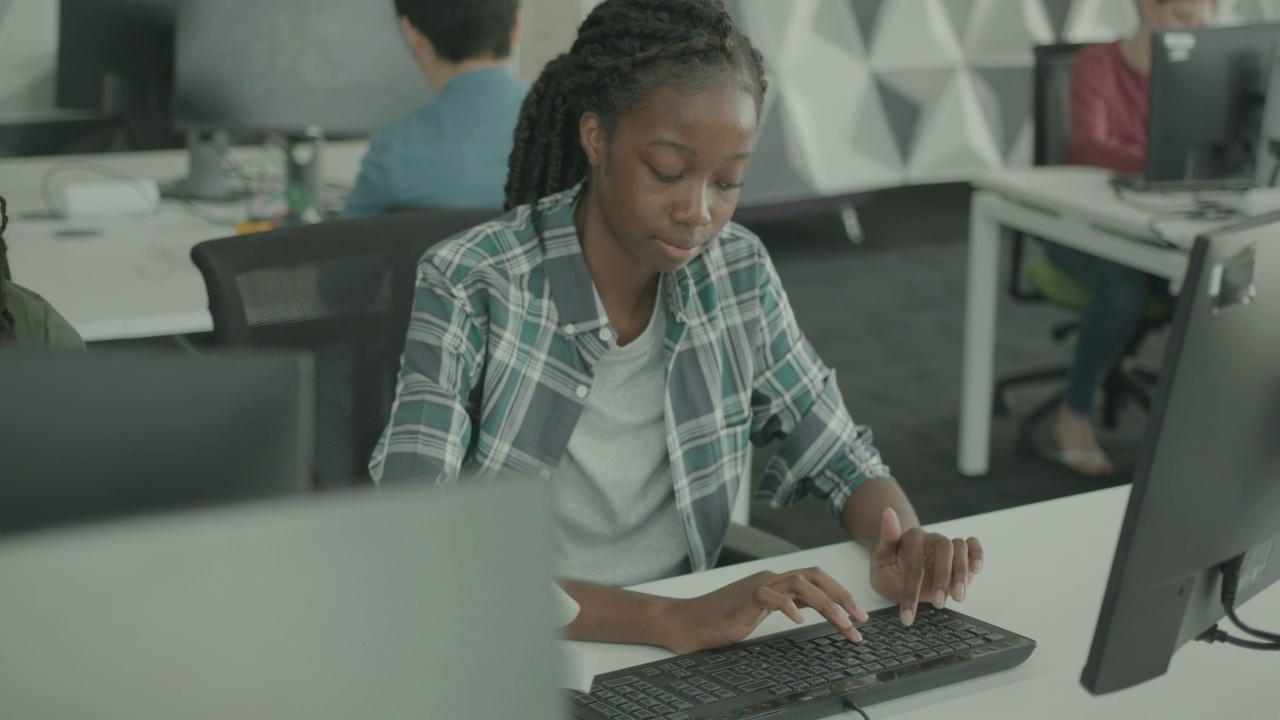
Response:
column 795, row 399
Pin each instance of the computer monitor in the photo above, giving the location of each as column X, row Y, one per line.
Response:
column 1207, row 92
column 116, row 57
column 286, row 66
column 413, row 602
column 1269, row 138
column 1207, row 486
column 87, row 437
column 301, row 71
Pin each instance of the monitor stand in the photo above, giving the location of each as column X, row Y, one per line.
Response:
column 206, row 173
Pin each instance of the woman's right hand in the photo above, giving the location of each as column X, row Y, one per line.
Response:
column 733, row 612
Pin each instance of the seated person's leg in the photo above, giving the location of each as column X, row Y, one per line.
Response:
column 1119, row 298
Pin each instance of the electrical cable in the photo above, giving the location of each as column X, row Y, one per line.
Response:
column 1230, row 585
column 851, row 705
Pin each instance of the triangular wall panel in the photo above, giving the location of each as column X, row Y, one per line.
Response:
column 1005, row 31
column 914, row 35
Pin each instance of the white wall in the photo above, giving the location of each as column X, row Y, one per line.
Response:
column 28, row 56
column 549, row 29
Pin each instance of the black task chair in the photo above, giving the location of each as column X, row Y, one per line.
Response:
column 344, row 291
column 1033, row 278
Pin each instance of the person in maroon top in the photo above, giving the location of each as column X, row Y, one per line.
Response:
column 1108, row 128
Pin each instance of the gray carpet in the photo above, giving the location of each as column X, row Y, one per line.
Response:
column 887, row 316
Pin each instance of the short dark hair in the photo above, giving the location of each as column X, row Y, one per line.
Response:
column 625, row 51
column 463, row 29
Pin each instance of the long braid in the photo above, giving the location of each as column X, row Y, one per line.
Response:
column 6, row 318
column 624, row 51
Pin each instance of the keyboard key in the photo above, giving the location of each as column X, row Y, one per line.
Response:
column 621, row 681
column 606, row 710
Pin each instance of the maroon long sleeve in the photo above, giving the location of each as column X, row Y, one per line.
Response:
column 1109, row 101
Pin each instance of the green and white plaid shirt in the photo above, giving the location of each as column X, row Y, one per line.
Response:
column 505, row 334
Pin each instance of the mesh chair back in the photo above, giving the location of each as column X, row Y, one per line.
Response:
column 1051, row 101
column 344, row 291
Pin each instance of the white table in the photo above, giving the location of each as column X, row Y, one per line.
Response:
column 1071, row 205
column 1047, row 566
column 131, row 278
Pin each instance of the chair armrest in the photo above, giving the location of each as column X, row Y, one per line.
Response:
column 743, row 543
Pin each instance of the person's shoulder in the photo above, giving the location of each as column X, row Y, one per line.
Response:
column 36, row 322
column 404, row 130
column 507, row 245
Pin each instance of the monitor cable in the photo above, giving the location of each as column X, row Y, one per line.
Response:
column 1230, row 585
column 1230, row 581
column 849, row 704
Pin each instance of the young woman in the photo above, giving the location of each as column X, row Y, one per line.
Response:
column 26, row 320
column 617, row 336
column 1109, row 97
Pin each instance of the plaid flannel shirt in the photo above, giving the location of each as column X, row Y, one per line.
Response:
column 506, row 331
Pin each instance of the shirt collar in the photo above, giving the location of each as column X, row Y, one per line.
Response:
column 572, row 288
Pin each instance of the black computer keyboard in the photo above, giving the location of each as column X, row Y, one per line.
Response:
column 808, row 672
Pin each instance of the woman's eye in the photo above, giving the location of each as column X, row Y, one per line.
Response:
column 728, row 187
column 663, row 177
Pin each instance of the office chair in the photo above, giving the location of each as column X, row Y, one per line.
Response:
column 344, row 291
column 1036, row 279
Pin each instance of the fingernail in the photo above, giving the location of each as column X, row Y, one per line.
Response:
column 958, row 591
column 856, row 636
column 977, row 566
column 939, row 599
column 908, row 616
column 860, row 612
column 845, row 623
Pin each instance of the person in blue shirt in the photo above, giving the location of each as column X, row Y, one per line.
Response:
column 453, row 151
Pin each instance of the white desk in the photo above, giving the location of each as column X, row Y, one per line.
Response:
column 1070, row 205
column 1047, row 566
column 134, row 278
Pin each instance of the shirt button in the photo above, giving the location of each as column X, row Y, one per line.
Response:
column 605, row 335
column 570, row 329
column 582, row 391
column 545, row 474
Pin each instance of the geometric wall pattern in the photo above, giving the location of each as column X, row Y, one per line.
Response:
column 868, row 94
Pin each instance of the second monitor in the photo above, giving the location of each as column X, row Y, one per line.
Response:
column 88, row 437
column 1208, row 88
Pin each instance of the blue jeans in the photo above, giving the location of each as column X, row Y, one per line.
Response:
column 1120, row 296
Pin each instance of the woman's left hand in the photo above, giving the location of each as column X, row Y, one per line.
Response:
column 916, row 566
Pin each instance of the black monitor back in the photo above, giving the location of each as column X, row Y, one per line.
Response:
column 96, row 436
column 285, row 66
column 1207, row 486
column 115, row 57
column 1207, row 93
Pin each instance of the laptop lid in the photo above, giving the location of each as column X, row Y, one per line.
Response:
column 404, row 603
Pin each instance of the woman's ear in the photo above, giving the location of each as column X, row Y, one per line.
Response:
column 592, row 136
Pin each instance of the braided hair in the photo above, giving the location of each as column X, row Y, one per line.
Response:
column 625, row 50
column 6, row 317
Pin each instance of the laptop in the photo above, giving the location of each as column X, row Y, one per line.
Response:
column 403, row 603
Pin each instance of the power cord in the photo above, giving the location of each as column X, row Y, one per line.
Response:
column 1230, row 585
column 851, row 705
column 1230, row 580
